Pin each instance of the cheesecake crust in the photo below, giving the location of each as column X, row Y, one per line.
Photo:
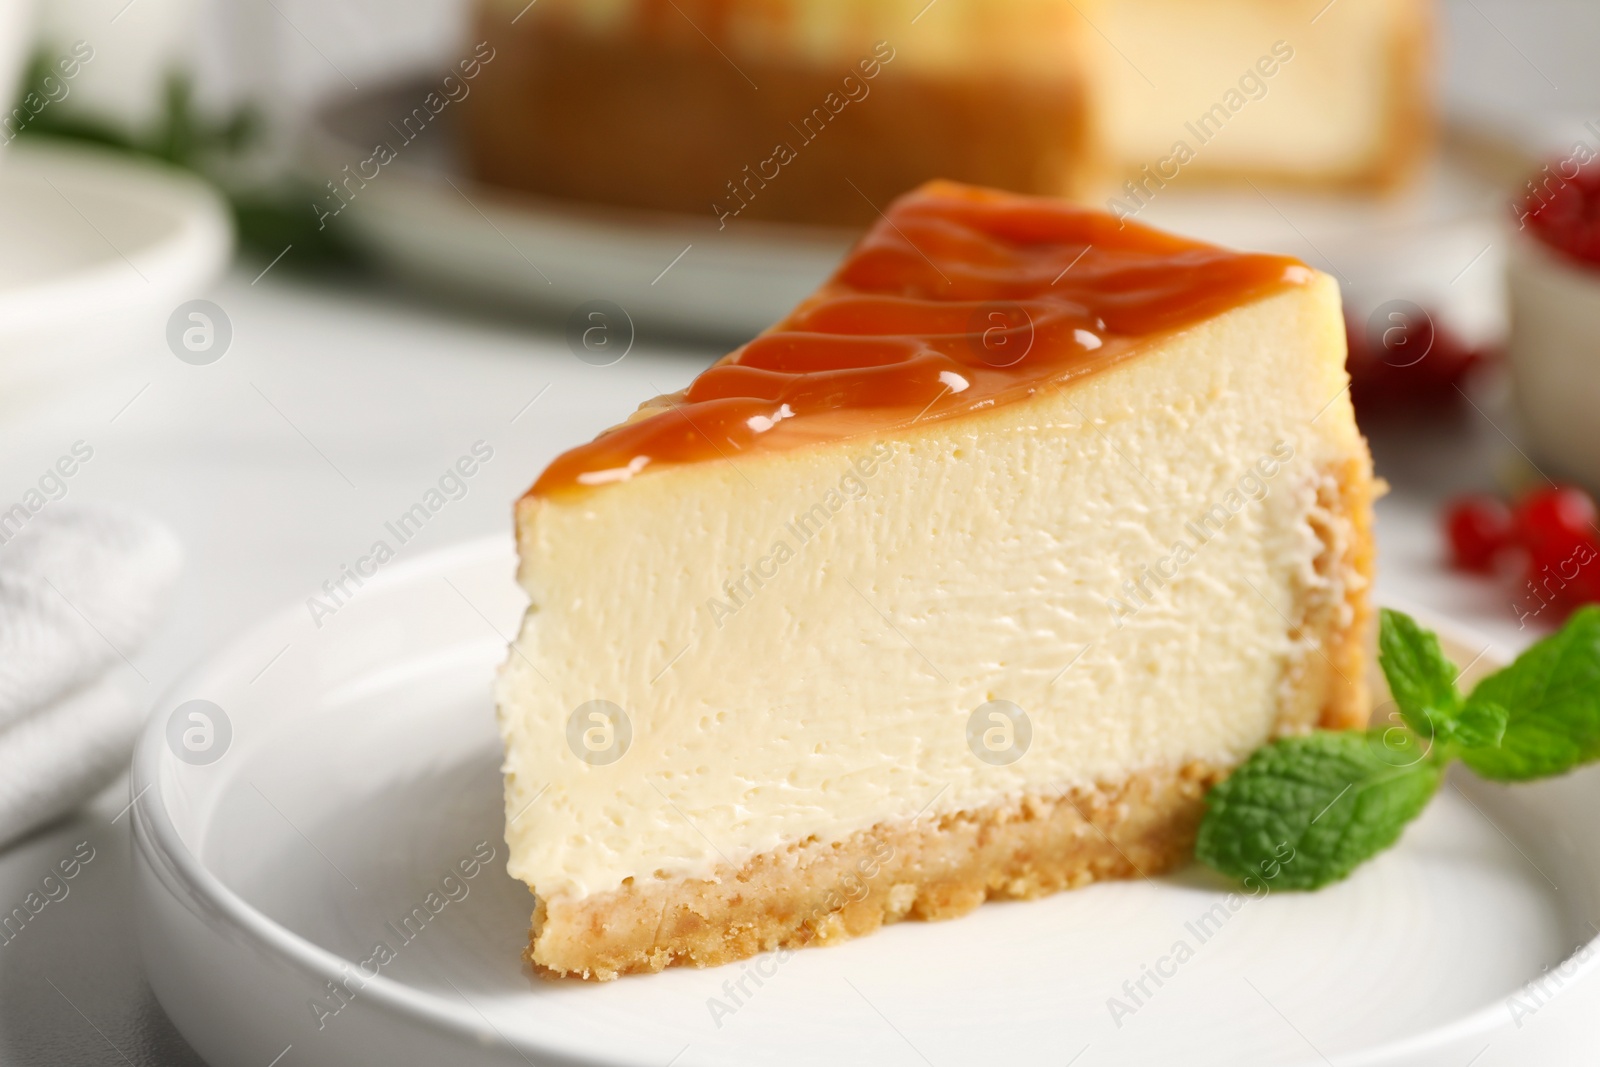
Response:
column 1327, row 682
column 932, row 868
column 554, row 116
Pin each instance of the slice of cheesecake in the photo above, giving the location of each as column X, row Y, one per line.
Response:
column 811, row 111
column 1297, row 91
column 962, row 582
column 815, row 110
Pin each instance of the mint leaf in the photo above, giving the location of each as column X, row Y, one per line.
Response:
column 1306, row 811
column 1421, row 678
column 1481, row 724
column 1552, row 697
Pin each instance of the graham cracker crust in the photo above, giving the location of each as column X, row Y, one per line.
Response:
column 941, row 867
column 560, row 113
column 935, row 868
column 1327, row 685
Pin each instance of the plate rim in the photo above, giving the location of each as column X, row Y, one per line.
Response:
column 157, row 841
column 325, row 139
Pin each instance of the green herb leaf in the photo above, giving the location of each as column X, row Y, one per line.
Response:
column 1552, row 697
column 270, row 215
column 1306, row 811
column 1481, row 724
column 1420, row 677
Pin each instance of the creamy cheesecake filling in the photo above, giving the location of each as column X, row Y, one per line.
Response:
column 1255, row 87
column 1136, row 601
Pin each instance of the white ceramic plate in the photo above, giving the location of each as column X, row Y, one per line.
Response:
column 359, row 768
column 427, row 218
column 95, row 247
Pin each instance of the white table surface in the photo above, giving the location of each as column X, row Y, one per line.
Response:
column 335, row 408
column 390, row 389
column 337, row 405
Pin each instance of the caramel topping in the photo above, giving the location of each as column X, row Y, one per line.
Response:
column 959, row 299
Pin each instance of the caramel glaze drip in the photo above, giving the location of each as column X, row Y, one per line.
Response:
column 959, row 299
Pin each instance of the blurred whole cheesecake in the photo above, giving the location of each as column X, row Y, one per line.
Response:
column 823, row 110
column 963, row 581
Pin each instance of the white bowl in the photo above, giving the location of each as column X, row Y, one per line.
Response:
column 96, row 251
column 1554, row 352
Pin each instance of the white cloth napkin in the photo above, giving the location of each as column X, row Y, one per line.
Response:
column 81, row 588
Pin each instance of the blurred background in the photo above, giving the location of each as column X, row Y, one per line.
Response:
column 268, row 267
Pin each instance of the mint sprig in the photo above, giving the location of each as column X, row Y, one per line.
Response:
column 1314, row 808
column 1422, row 681
column 1551, row 696
column 1421, row 678
column 1302, row 812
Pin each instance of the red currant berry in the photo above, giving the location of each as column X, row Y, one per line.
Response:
column 1567, row 584
column 1586, row 587
column 1568, row 217
column 1554, row 523
column 1479, row 526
